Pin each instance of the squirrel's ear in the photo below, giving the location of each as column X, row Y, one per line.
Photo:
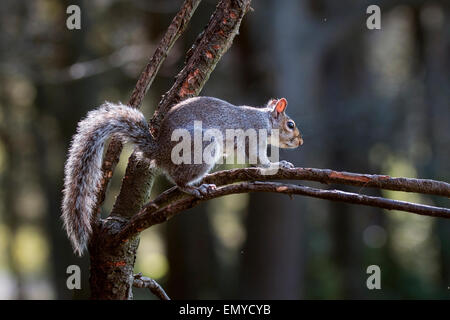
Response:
column 281, row 105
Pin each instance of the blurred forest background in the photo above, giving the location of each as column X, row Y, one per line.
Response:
column 369, row 101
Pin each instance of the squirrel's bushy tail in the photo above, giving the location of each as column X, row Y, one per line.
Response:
column 83, row 169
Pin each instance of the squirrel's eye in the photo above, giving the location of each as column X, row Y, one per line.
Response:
column 291, row 125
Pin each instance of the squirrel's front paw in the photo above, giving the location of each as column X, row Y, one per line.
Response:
column 285, row 164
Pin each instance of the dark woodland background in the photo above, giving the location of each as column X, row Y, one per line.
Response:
column 367, row 101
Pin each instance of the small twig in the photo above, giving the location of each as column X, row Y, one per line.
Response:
column 144, row 282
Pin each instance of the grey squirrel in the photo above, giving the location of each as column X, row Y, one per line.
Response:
column 83, row 167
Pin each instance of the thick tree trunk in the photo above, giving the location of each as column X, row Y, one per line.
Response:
column 112, row 265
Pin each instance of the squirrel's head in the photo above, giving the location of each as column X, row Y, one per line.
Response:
column 289, row 135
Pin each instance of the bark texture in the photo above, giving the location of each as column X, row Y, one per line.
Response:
column 111, row 265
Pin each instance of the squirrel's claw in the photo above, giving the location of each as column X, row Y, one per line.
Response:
column 283, row 164
column 205, row 188
column 200, row 191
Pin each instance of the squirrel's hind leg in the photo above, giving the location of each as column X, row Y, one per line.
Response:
column 187, row 176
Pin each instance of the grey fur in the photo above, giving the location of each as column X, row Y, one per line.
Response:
column 83, row 167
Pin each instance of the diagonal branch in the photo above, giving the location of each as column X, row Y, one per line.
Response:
column 175, row 29
column 326, row 176
column 201, row 60
column 150, row 215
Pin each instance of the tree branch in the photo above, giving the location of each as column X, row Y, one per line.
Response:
column 154, row 287
column 173, row 201
column 175, row 29
column 201, row 60
column 325, row 176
